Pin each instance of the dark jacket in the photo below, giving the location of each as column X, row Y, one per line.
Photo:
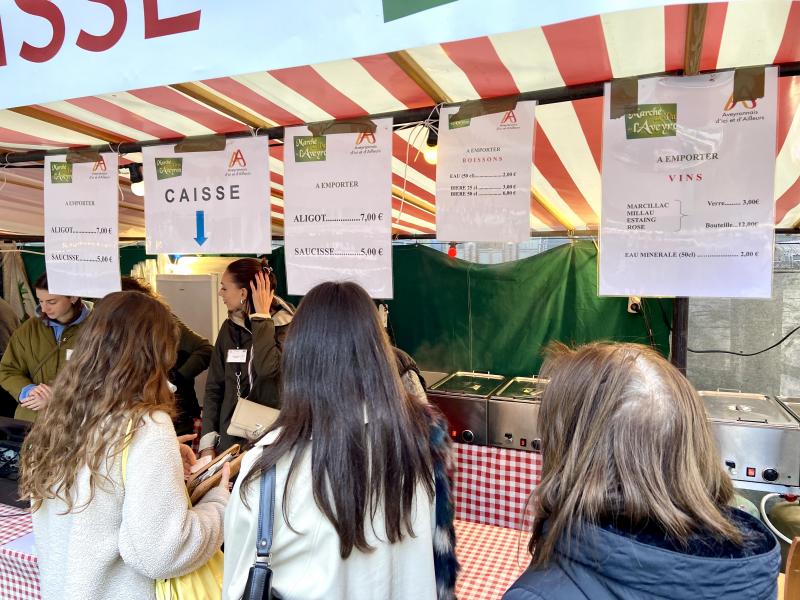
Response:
column 626, row 563
column 194, row 356
column 259, row 337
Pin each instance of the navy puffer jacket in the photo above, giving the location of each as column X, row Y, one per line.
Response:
column 626, row 563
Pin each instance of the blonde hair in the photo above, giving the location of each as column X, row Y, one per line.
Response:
column 118, row 372
column 624, row 436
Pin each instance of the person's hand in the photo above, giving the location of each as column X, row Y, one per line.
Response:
column 262, row 294
column 37, row 398
column 225, row 481
column 208, row 452
column 187, row 454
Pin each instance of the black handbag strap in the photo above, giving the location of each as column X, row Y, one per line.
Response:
column 266, row 515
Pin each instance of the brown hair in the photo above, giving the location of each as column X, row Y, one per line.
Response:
column 116, row 374
column 243, row 272
column 624, row 437
column 133, row 284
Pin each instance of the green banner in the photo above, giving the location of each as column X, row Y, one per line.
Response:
column 397, row 9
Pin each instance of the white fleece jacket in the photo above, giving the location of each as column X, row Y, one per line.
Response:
column 125, row 538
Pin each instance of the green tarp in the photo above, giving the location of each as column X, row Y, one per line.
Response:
column 451, row 314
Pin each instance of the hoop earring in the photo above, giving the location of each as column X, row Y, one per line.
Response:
column 241, row 301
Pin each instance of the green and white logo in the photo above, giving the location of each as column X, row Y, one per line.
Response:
column 169, row 167
column 457, row 123
column 60, row 172
column 651, row 121
column 309, row 148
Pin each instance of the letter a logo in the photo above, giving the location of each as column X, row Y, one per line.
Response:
column 99, row 165
column 365, row 137
column 237, row 160
column 730, row 104
column 509, row 117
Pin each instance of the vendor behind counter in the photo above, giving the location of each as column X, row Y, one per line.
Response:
column 40, row 348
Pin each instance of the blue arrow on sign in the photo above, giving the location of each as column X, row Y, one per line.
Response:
column 201, row 228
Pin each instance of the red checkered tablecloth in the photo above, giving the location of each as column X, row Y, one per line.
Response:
column 491, row 559
column 19, row 572
column 492, row 485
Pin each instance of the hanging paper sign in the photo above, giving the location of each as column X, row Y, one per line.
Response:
column 208, row 202
column 338, row 211
column 688, row 178
column 483, row 175
column 81, row 216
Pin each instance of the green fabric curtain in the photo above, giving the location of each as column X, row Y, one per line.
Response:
column 455, row 315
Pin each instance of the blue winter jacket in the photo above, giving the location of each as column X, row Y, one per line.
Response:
column 625, row 563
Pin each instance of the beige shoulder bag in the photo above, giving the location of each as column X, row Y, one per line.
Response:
column 250, row 419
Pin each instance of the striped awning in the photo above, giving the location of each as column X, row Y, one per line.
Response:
column 566, row 181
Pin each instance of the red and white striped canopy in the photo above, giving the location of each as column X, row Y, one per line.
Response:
column 566, row 188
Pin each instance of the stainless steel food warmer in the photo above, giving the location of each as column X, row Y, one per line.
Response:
column 513, row 414
column 463, row 399
column 758, row 437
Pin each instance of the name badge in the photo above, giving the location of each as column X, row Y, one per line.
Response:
column 69, row 354
column 238, row 355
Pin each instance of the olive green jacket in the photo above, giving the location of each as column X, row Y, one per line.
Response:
column 34, row 356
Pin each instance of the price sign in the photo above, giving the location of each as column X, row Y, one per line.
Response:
column 688, row 183
column 81, row 241
column 483, row 179
column 337, row 193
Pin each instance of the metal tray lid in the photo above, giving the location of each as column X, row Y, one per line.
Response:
column 792, row 403
column 467, row 383
column 745, row 408
column 522, row 388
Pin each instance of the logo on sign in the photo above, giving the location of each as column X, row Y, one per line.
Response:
column 731, row 104
column 509, row 121
column 60, row 172
column 651, row 121
column 309, row 148
column 237, row 165
column 167, row 168
column 509, row 117
column 237, row 160
column 365, row 137
column 457, row 123
column 99, row 170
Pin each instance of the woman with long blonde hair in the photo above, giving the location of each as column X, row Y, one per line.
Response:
column 633, row 501
column 101, row 532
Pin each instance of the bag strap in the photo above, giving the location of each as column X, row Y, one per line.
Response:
column 266, row 516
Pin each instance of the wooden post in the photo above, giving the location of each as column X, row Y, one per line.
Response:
column 695, row 26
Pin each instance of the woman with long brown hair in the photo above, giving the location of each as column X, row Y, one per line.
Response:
column 362, row 507
column 633, row 501
column 103, row 530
